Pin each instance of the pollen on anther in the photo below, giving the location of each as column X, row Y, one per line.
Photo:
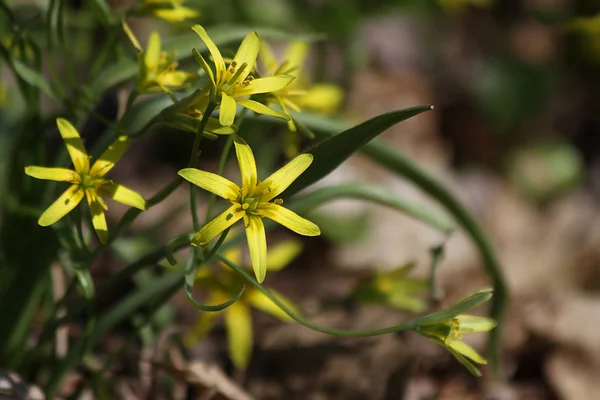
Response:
column 278, row 201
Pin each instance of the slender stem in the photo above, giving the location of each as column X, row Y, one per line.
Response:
column 337, row 332
column 220, row 168
column 396, row 162
column 193, row 160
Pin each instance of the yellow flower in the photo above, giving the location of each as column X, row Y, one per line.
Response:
column 157, row 69
column 324, row 98
column 394, row 288
column 225, row 284
column 589, row 29
column 169, row 10
column 252, row 202
column 447, row 328
column 187, row 113
column 233, row 85
column 86, row 181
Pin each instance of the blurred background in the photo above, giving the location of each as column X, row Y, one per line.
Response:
column 514, row 136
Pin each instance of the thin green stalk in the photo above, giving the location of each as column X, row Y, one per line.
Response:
column 336, row 332
column 395, row 161
column 194, row 159
column 220, row 168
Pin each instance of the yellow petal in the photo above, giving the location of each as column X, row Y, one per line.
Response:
column 227, row 111
column 65, row 203
column 110, row 157
column 123, row 195
column 295, row 55
column 260, row 108
column 473, row 323
column 98, row 217
column 75, row 146
column 247, row 165
column 467, row 351
column 257, row 245
column 257, row 299
column 246, row 54
column 152, row 56
column 52, row 174
column 324, row 98
column 267, row 57
column 275, row 184
column 239, row 334
column 131, row 36
column 173, row 78
column 176, row 14
column 214, row 52
column 282, row 254
column 264, row 85
column 289, row 219
column 217, row 225
column 214, row 183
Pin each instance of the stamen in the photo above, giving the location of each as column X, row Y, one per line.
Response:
column 232, row 67
column 245, row 206
column 278, row 201
column 237, row 73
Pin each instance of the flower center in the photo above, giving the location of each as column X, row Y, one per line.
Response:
column 87, row 181
column 250, row 204
column 455, row 328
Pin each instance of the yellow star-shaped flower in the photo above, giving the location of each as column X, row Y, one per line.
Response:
column 86, row 181
column 252, row 202
column 233, row 85
column 447, row 328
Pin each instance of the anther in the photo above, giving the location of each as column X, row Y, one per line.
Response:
column 278, row 201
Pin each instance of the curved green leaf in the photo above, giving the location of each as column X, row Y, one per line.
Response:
column 206, row 307
column 335, row 150
column 361, row 191
column 33, row 77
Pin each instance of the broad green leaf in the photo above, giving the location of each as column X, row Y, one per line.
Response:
column 33, row 77
column 328, row 155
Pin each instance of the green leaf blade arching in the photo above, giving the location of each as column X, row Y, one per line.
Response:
column 331, row 153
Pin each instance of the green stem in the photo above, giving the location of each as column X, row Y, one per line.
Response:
column 194, row 159
column 395, row 161
column 220, row 168
column 336, row 332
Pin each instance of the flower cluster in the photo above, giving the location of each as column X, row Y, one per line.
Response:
column 230, row 85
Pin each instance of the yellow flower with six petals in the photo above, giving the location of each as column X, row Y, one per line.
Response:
column 157, row 69
column 252, row 202
column 324, row 98
column 233, row 85
column 86, row 181
column 447, row 328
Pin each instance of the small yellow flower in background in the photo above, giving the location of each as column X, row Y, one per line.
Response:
column 157, row 69
column 224, row 284
column 325, row 98
column 447, row 328
column 86, row 181
column 231, row 86
column 394, row 288
column 252, row 202
column 187, row 113
column 589, row 29
column 169, row 10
